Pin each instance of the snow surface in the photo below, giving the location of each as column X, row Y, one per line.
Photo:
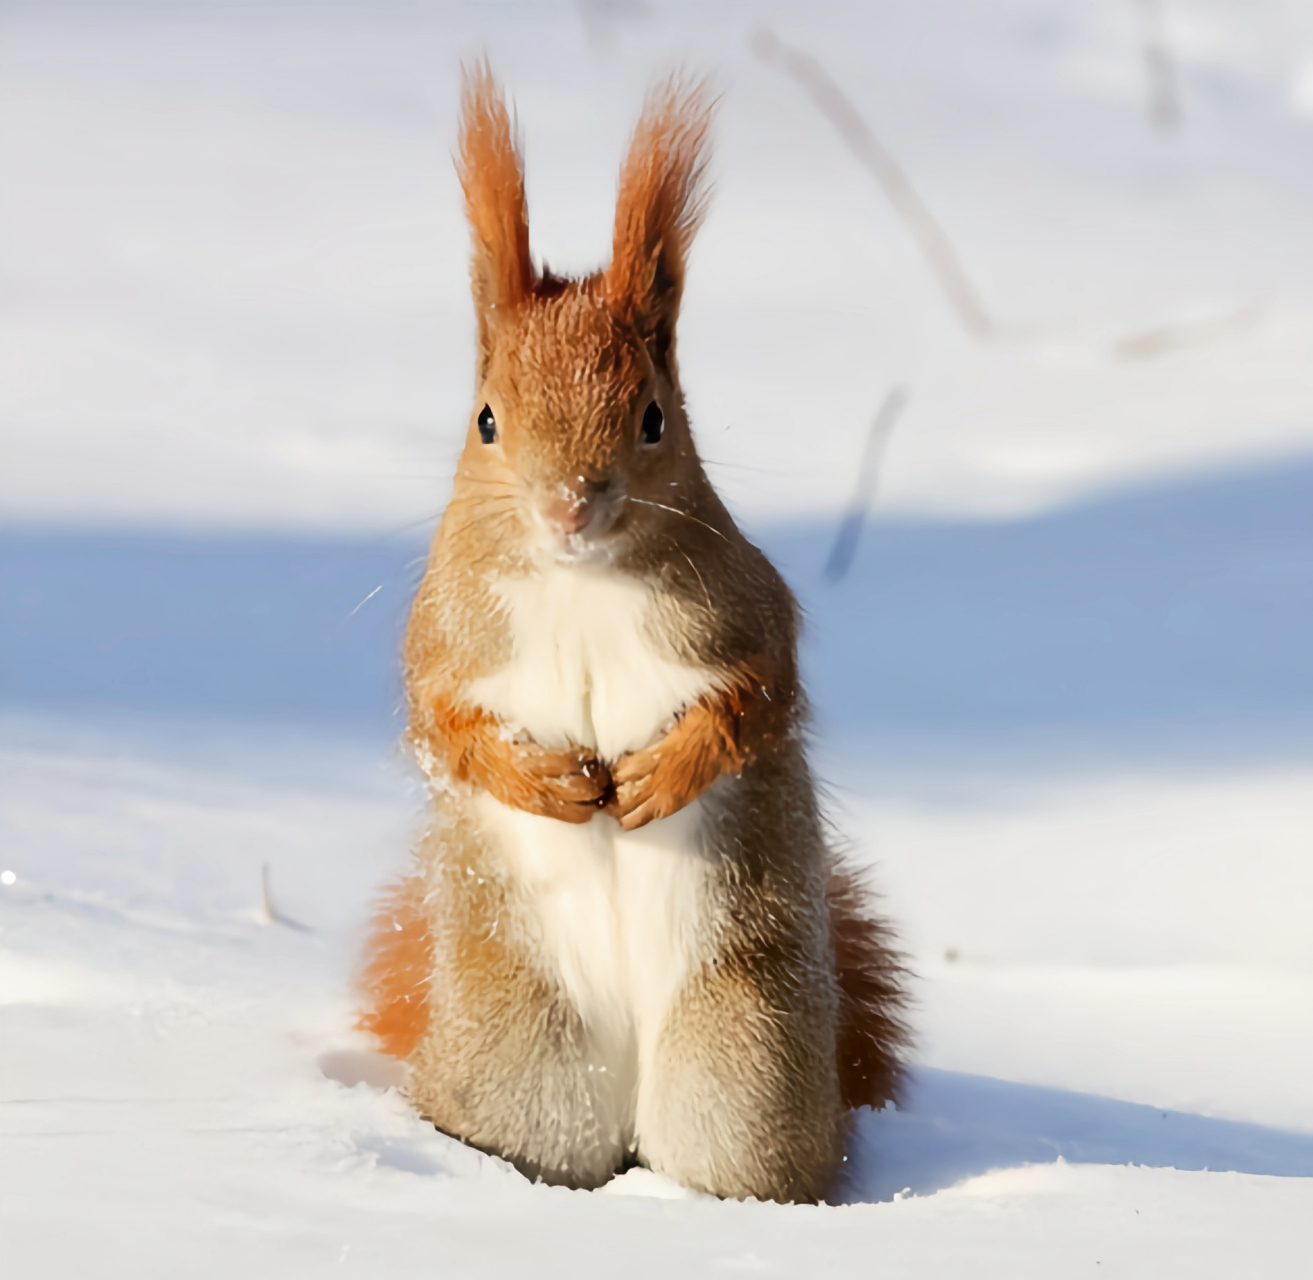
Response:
column 1063, row 698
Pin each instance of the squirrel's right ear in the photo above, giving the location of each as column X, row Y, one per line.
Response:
column 662, row 198
column 492, row 177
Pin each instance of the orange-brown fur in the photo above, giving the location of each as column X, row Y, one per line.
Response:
column 570, row 784
column 790, row 1006
column 396, row 978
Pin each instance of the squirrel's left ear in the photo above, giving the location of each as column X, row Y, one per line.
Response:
column 663, row 192
column 492, row 177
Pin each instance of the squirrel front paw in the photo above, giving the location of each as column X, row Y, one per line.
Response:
column 570, row 785
column 660, row 780
column 638, row 797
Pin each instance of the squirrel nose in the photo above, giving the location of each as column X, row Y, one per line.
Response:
column 570, row 514
column 576, row 507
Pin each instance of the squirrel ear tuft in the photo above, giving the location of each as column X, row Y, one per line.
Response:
column 662, row 199
column 492, row 176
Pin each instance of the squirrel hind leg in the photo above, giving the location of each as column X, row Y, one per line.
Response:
column 398, row 968
column 739, row 1098
column 873, row 1035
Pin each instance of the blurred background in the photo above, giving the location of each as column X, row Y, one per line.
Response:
column 999, row 337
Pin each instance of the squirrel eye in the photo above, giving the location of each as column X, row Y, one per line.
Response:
column 487, row 425
column 653, row 423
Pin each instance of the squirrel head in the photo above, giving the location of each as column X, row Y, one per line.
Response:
column 578, row 433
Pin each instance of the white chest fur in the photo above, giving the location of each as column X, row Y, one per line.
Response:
column 586, row 666
column 620, row 917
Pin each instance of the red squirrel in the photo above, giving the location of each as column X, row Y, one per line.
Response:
column 628, row 937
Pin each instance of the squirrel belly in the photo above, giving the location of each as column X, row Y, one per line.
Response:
column 619, row 915
column 618, row 920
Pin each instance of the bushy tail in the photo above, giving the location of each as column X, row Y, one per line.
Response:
column 398, row 969
column 872, row 1033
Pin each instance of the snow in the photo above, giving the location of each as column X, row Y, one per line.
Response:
column 182, row 1073
column 242, row 218
column 1063, row 701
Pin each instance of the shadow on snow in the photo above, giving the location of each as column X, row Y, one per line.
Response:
column 956, row 1126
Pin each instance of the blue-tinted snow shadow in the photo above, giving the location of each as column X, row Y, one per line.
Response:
column 279, row 630
column 1141, row 622
column 955, row 1126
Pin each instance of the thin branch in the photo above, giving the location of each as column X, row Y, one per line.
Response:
column 941, row 254
column 938, row 250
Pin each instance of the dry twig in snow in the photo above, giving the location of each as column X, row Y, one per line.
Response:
column 938, row 250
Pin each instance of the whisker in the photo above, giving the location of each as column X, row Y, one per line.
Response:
column 494, row 520
column 701, row 582
column 489, row 484
column 676, row 511
column 365, row 601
